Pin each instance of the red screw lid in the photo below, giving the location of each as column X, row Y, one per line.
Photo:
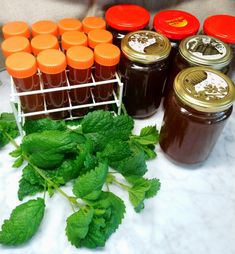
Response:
column 127, row 17
column 175, row 24
column 221, row 27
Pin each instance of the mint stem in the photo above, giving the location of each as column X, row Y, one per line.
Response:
column 41, row 173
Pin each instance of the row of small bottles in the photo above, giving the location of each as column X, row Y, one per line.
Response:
column 154, row 64
column 80, row 52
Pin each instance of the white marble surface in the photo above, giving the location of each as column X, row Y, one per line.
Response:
column 194, row 213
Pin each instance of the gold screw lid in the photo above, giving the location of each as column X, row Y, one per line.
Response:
column 145, row 46
column 205, row 50
column 204, row 89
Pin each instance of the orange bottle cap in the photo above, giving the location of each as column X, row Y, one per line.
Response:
column 42, row 42
column 96, row 37
column 16, row 28
column 15, row 44
column 21, row 65
column 93, row 23
column 73, row 38
column 44, row 27
column 51, row 61
column 69, row 24
column 80, row 57
column 107, row 54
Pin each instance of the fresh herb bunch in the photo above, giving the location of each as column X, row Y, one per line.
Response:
column 57, row 153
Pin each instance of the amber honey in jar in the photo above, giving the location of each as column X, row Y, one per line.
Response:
column 80, row 59
column 143, row 69
column 23, row 69
column 52, row 64
column 196, row 114
column 124, row 18
column 200, row 50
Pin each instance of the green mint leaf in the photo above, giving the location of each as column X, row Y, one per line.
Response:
column 18, row 162
column 115, row 151
column 7, row 125
column 148, row 136
column 16, row 153
column 107, row 214
column 48, row 149
column 149, row 150
column 97, row 121
column 28, row 189
column 23, row 223
column 132, row 165
column 141, row 189
column 155, row 186
column 43, row 124
column 89, row 185
column 78, row 225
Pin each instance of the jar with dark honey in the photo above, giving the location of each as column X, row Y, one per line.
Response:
column 199, row 50
column 196, row 114
column 143, row 69
column 124, row 18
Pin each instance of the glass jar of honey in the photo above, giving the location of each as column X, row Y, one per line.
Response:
column 124, row 18
column 196, row 113
column 143, row 69
column 199, row 50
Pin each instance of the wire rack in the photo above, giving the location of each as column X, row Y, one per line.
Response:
column 20, row 116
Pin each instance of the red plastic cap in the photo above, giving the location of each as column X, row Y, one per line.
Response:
column 221, row 27
column 175, row 24
column 127, row 17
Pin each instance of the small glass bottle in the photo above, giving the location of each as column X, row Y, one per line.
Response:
column 222, row 27
column 199, row 50
column 73, row 38
column 69, row 24
column 196, row 114
column 124, row 18
column 93, row 23
column 107, row 56
column 143, row 69
column 44, row 27
column 16, row 28
column 80, row 59
column 96, row 37
column 52, row 64
column 23, row 69
column 42, row 42
column 15, row 44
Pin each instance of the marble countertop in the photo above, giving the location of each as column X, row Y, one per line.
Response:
column 194, row 212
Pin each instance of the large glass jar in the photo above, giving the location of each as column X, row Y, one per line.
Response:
column 196, row 114
column 199, row 50
column 143, row 69
column 124, row 18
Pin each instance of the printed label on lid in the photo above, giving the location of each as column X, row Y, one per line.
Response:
column 206, row 48
column 146, row 43
column 205, row 86
column 177, row 22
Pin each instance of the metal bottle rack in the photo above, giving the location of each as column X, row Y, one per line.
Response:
column 20, row 116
